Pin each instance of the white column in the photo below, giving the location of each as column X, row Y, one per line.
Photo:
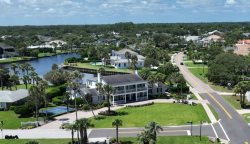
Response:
column 113, row 100
column 136, row 91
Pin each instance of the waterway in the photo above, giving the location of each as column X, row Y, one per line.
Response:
column 43, row 65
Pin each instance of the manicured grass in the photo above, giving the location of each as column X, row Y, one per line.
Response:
column 22, row 86
column 163, row 113
column 246, row 117
column 171, row 140
column 233, row 101
column 41, row 141
column 14, row 59
column 214, row 112
column 11, row 120
column 96, row 67
column 191, row 64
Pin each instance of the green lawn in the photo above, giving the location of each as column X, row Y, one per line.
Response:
column 14, row 59
column 96, row 67
column 246, row 117
column 41, row 141
column 191, row 64
column 11, row 120
column 233, row 101
column 171, row 140
column 22, row 86
column 164, row 114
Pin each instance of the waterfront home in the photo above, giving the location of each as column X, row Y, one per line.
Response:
column 7, row 98
column 242, row 47
column 215, row 32
column 127, row 88
column 118, row 59
column 6, row 50
column 206, row 41
column 59, row 43
column 194, row 39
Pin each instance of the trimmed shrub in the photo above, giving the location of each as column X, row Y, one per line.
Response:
column 57, row 100
column 106, row 113
column 86, row 107
column 25, row 110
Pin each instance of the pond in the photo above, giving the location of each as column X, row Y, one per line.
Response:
column 43, row 65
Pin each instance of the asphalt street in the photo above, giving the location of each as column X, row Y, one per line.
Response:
column 235, row 128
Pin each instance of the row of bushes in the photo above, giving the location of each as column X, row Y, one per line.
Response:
column 141, row 105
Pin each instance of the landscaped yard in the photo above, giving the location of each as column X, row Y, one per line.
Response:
column 171, row 140
column 162, row 113
column 96, row 67
column 11, row 120
column 41, row 141
column 233, row 101
column 22, row 86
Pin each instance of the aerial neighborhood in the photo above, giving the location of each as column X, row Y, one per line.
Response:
column 125, row 82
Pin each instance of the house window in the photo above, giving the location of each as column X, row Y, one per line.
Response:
column 119, row 65
column 125, row 65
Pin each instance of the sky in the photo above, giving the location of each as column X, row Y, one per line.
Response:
column 64, row 12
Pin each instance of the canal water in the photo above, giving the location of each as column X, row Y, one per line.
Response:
column 43, row 65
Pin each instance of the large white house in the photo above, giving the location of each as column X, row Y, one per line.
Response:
column 127, row 88
column 118, row 59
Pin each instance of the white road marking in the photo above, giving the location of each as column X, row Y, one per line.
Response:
column 216, row 135
column 188, row 132
column 224, row 131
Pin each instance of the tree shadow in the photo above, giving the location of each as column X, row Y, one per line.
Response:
column 121, row 113
column 100, row 118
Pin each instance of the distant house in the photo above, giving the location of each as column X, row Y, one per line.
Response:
column 59, row 43
column 242, row 47
column 246, row 34
column 50, row 44
column 118, row 59
column 44, row 38
column 215, row 32
column 40, row 46
column 211, row 39
column 194, row 39
column 9, row 97
column 6, row 50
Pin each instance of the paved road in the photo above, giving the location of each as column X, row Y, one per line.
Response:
column 236, row 129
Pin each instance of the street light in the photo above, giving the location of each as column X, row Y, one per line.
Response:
column 191, row 124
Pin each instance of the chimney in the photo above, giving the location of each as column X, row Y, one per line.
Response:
column 99, row 77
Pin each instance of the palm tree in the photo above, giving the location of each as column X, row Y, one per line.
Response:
column 73, row 128
column 99, row 87
column 116, row 124
column 33, row 75
column 154, row 128
column 26, row 80
column 83, row 124
column 35, row 94
column 14, row 68
column 144, row 137
column 128, row 56
column 14, row 79
column 108, row 90
column 151, row 80
column 2, row 75
column 241, row 88
column 134, row 60
column 42, row 85
column 22, row 68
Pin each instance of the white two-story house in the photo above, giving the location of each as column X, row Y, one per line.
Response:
column 118, row 59
column 127, row 88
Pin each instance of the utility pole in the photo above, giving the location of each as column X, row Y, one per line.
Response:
column 200, row 129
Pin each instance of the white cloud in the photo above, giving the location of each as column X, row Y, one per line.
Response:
column 5, row 1
column 230, row 2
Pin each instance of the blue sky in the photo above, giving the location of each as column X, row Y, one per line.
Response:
column 53, row 12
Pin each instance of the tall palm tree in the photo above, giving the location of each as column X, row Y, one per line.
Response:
column 42, row 85
column 128, row 56
column 72, row 128
column 14, row 79
column 83, row 124
column 26, row 80
column 242, row 87
column 108, row 91
column 117, row 123
column 14, row 68
column 35, row 94
column 154, row 128
column 22, row 68
column 33, row 75
column 2, row 75
column 134, row 60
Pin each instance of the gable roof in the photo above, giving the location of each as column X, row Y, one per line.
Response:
column 122, row 79
column 5, row 46
column 123, row 51
column 13, row 96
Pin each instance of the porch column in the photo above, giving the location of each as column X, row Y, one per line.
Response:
column 136, row 92
column 113, row 100
column 125, row 94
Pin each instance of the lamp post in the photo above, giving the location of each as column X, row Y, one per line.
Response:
column 191, row 124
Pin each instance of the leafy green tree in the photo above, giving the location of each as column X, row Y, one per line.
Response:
column 34, row 93
column 117, row 123
column 241, row 88
column 145, row 73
